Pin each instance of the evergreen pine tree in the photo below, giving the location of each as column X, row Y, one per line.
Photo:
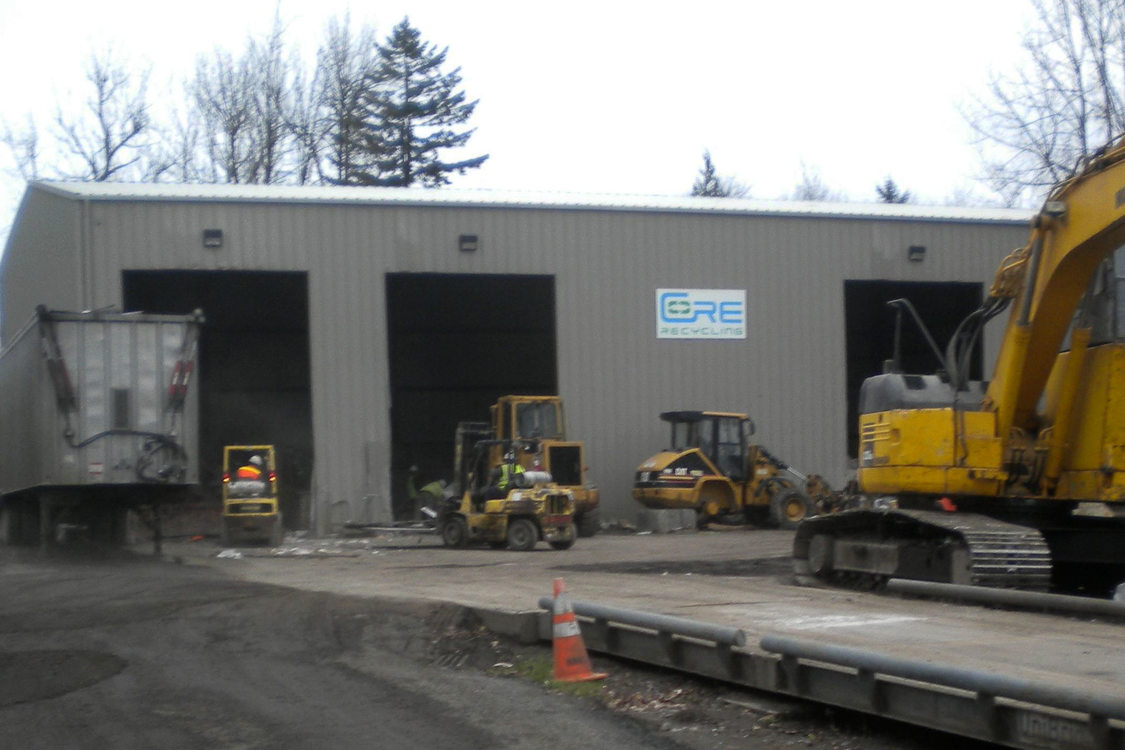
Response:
column 889, row 192
column 411, row 111
column 708, row 184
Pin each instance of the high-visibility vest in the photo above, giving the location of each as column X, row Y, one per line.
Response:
column 249, row 471
column 508, row 473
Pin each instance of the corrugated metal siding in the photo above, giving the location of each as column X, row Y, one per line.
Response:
column 614, row 373
column 41, row 264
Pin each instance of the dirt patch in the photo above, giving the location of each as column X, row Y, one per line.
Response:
column 41, row 674
column 692, row 712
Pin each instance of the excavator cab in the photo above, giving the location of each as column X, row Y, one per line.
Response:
column 251, row 511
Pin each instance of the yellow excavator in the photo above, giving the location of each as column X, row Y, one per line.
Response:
column 1018, row 481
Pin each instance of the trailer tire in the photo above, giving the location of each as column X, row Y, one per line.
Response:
column 522, row 535
column 789, row 507
column 454, row 532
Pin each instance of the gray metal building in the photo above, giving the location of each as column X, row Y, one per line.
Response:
column 354, row 327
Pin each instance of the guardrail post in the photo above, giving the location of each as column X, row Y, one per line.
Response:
column 986, row 704
column 671, row 646
column 873, row 689
column 791, row 675
column 1100, row 731
column 729, row 661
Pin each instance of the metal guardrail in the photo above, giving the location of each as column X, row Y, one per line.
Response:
column 1004, row 710
column 1008, row 597
column 674, row 626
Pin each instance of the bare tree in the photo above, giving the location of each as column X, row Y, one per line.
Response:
column 1033, row 124
column 812, row 187
column 270, row 99
column 344, row 61
column 179, row 148
column 246, row 106
column 221, row 89
column 23, row 143
column 109, row 139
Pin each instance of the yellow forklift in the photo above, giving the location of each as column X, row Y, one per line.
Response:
column 251, row 511
column 530, row 509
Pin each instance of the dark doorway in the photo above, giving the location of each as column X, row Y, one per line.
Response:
column 870, row 326
column 254, row 380
column 456, row 342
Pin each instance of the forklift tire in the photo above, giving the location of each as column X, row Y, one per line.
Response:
column 789, row 507
column 568, row 542
column 522, row 535
column 454, row 532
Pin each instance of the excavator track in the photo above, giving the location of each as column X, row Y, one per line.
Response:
column 963, row 548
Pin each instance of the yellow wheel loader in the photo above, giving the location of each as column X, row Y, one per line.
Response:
column 713, row 468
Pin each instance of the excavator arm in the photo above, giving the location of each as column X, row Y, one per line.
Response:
column 1082, row 221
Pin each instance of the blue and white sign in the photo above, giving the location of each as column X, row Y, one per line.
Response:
column 700, row 313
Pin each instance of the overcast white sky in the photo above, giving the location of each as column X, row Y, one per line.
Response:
column 619, row 97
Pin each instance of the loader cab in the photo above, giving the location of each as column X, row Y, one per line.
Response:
column 723, row 438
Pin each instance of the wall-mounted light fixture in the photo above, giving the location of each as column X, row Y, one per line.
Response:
column 212, row 239
column 916, row 253
column 467, row 243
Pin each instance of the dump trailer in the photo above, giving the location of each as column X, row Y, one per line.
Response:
column 96, row 419
column 536, row 427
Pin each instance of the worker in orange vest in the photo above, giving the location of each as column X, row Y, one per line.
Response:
column 252, row 470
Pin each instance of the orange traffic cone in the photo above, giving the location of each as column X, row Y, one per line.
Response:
column 572, row 663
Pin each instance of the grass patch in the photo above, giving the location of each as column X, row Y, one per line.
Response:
column 542, row 671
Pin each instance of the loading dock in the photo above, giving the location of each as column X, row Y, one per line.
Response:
column 253, row 367
column 456, row 342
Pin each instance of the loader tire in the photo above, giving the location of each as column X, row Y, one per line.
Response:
column 589, row 523
column 789, row 507
column 522, row 535
column 454, row 532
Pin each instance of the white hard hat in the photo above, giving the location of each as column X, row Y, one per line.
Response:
column 256, row 460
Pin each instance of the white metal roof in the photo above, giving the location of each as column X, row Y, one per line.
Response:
column 453, row 197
